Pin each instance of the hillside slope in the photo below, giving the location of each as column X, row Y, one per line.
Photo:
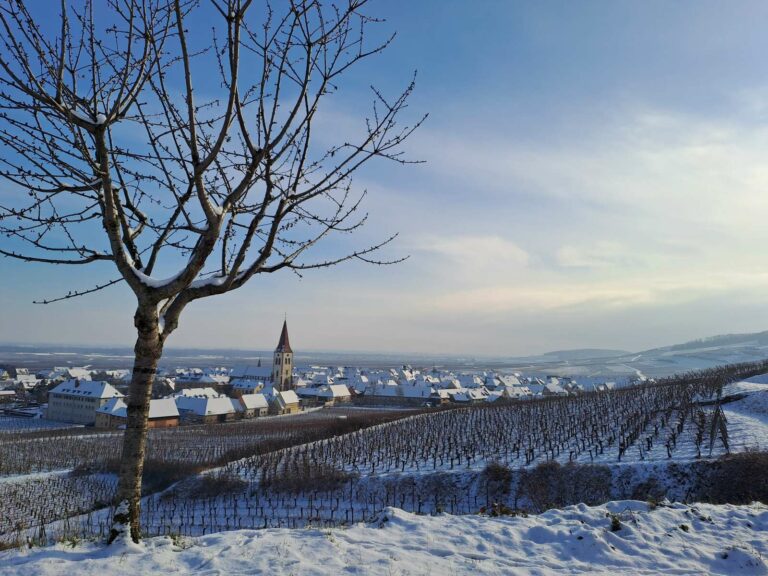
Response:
column 675, row 539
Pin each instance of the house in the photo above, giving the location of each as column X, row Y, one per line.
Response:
column 604, row 387
column 471, row 396
column 510, row 380
column 416, row 389
column 328, row 394
column 322, row 379
column 283, row 402
column 254, row 405
column 388, row 392
column 358, row 383
column 196, row 378
column 76, row 401
column 242, row 387
column 553, row 388
column 63, row 373
column 207, row 410
column 450, row 384
column 517, row 392
column 162, row 414
column 334, row 393
column 26, row 381
column 471, row 381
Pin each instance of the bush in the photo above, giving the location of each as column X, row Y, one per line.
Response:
column 550, row 485
column 497, row 472
column 649, row 490
column 615, row 522
column 736, row 479
column 543, row 486
column 212, row 485
column 497, row 479
column 306, row 477
column 158, row 474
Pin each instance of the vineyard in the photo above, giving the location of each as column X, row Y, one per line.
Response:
column 197, row 446
column 330, row 468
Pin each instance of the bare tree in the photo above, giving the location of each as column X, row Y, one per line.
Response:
column 112, row 155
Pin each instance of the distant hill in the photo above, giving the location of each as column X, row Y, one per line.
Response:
column 586, row 354
column 653, row 363
column 755, row 339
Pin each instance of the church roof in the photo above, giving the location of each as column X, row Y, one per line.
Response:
column 284, row 345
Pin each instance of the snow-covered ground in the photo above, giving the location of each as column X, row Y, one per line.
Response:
column 15, row 424
column 748, row 417
column 428, row 486
column 678, row 539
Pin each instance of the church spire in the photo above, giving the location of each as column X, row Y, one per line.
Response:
column 284, row 344
column 282, row 368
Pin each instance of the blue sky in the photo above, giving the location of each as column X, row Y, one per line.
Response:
column 595, row 176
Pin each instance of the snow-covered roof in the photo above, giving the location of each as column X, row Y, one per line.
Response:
column 247, row 384
column 471, row 380
column 554, row 388
column 164, row 408
column 334, row 391
column 112, row 406
column 322, row 379
column 286, row 397
column 250, row 372
column 450, row 384
column 196, row 393
column 284, row 344
column 471, row 394
column 78, row 373
column 410, row 390
column 199, row 379
column 379, row 388
column 207, row 406
column 517, row 391
column 510, row 380
column 28, row 381
column 254, row 401
column 87, row 389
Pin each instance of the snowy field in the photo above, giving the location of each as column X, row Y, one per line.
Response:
column 15, row 424
column 675, row 539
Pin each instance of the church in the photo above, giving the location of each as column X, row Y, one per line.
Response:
column 282, row 367
column 279, row 377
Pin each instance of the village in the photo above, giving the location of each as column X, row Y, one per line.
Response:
column 84, row 396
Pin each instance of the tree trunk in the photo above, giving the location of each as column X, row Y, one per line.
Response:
column 148, row 350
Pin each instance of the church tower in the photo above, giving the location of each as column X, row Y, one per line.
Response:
column 282, row 368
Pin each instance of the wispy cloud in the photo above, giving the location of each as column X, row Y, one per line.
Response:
column 474, row 254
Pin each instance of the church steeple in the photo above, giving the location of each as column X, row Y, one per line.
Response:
column 282, row 368
column 284, row 344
